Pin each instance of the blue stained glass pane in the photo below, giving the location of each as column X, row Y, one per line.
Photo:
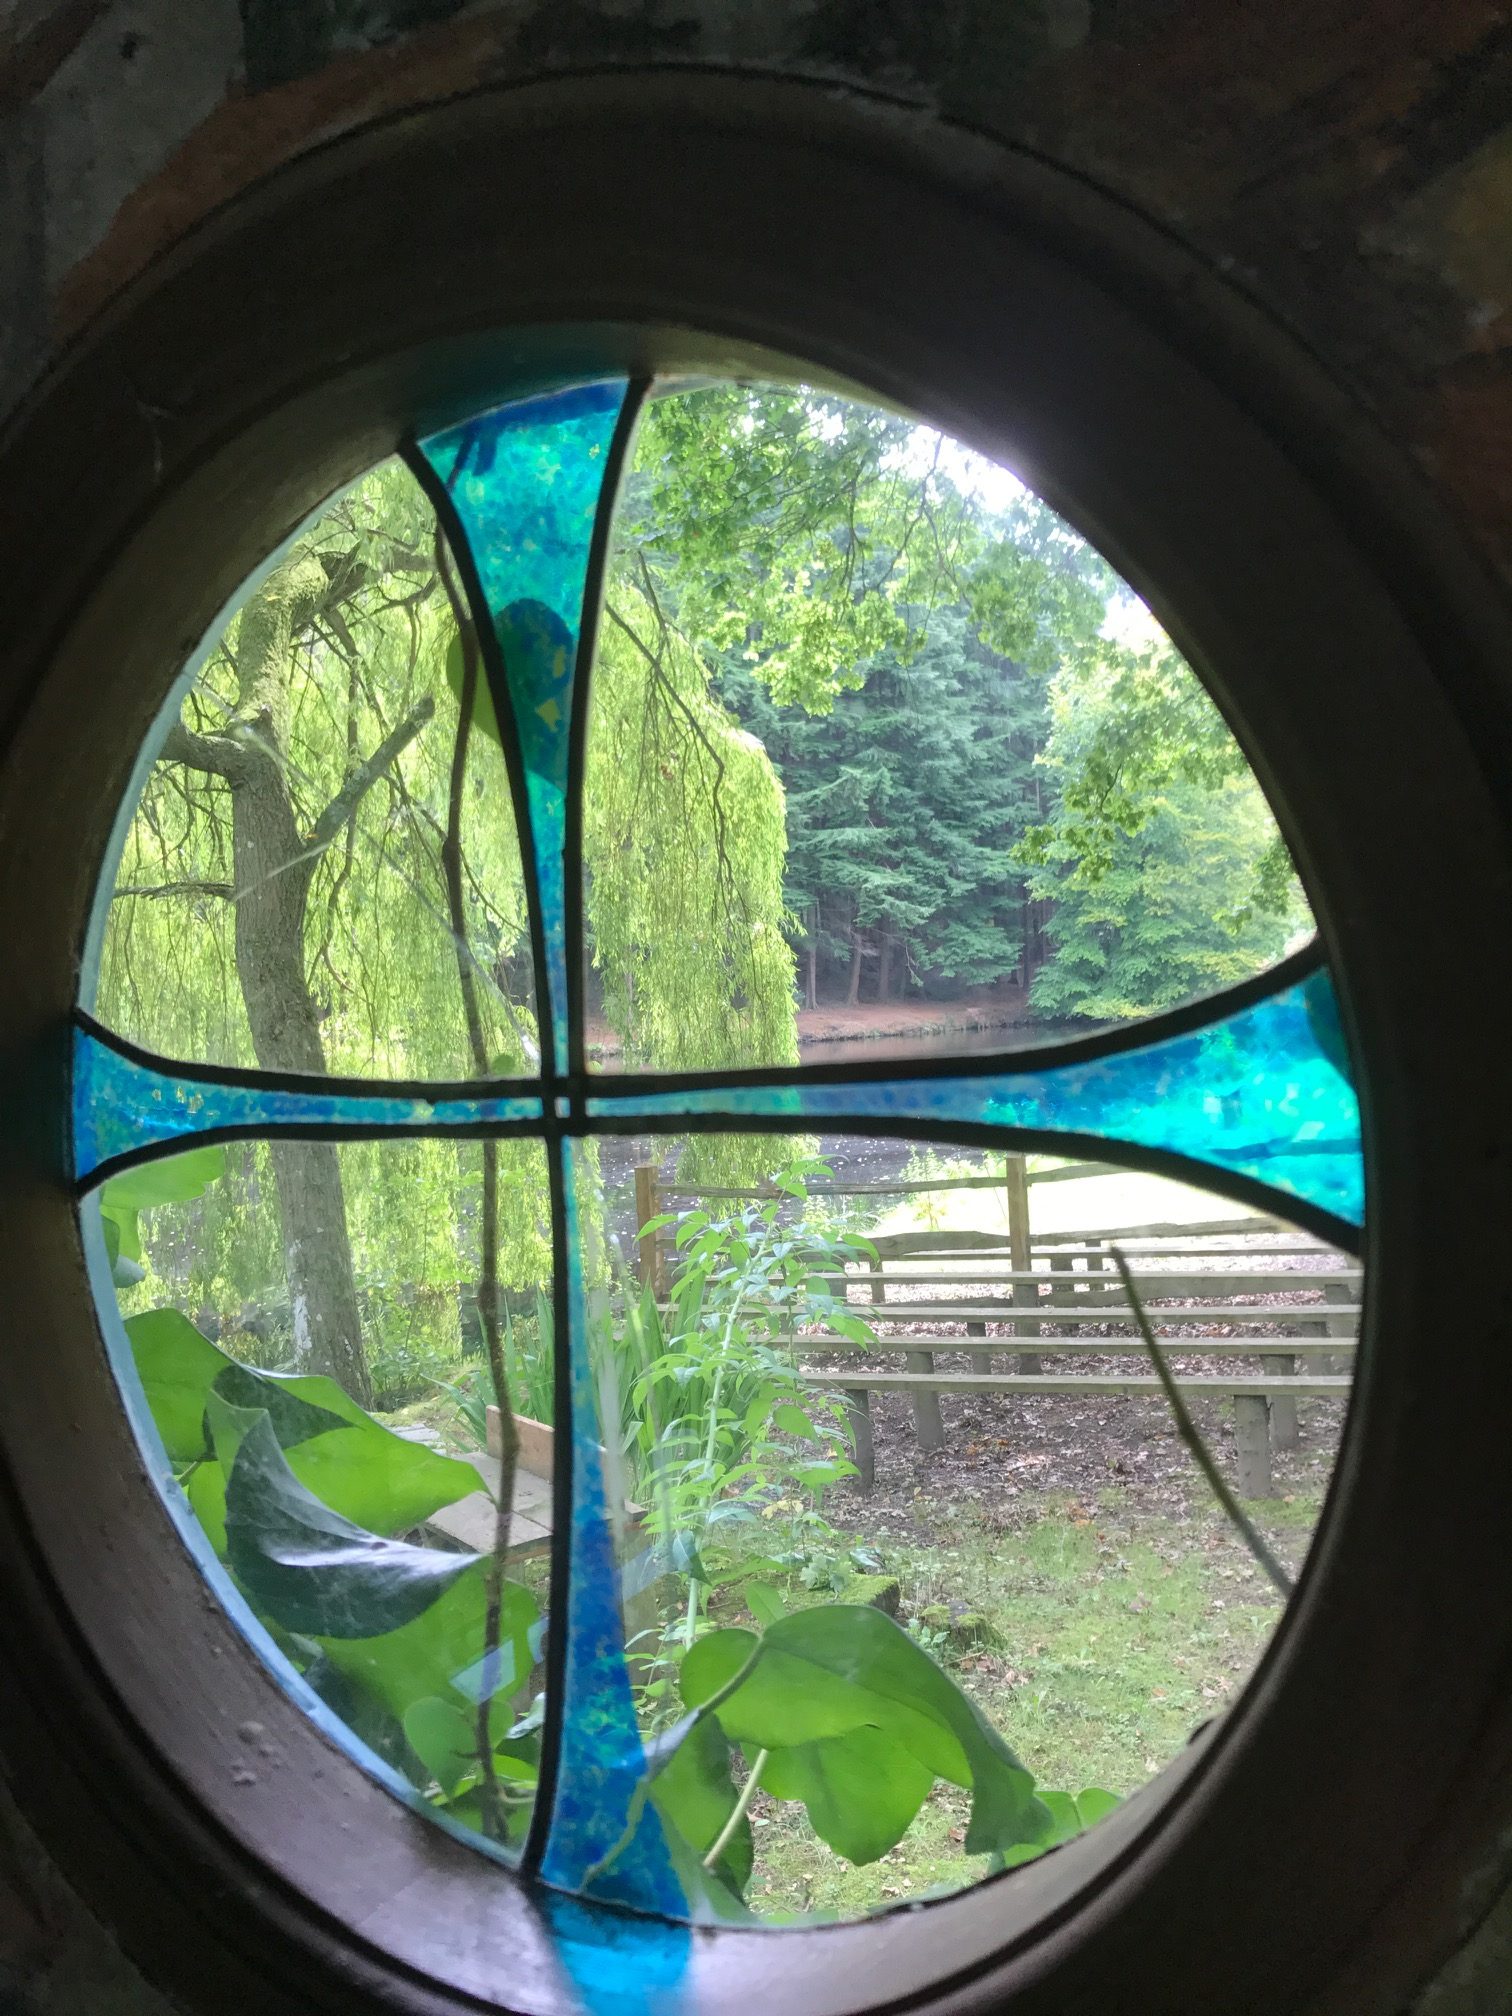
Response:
column 120, row 1105
column 593, row 1846
column 527, row 482
column 620, row 1965
column 1263, row 1094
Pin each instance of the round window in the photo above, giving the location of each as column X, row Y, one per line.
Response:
column 703, row 1109
column 556, row 1495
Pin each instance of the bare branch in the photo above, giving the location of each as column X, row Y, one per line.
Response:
column 214, row 754
column 225, row 889
column 1189, row 1432
column 362, row 779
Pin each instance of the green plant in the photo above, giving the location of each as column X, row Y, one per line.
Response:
column 530, row 1360
column 302, row 1494
column 833, row 1708
column 721, row 1424
column 837, row 1709
column 470, row 1398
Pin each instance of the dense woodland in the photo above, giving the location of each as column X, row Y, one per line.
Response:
column 866, row 723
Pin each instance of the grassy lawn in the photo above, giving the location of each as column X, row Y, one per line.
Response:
column 1120, row 1632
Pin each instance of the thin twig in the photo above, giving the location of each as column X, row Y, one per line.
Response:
column 488, row 1267
column 1190, row 1434
column 738, row 1810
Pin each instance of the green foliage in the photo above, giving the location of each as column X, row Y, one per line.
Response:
column 838, row 1710
column 302, row 1491
column 1128, row 722
column 905, row 804
column 378, row 954
column 790, row 526
column 720, row 1425
column 693, row 1792
column 1165, row 869
column 819, row 1677
column 359, row 1468
column 173, row 1180
column 684, row 841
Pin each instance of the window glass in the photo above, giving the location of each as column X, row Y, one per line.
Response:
column 887, row 761
column 803, row 1428
column 881, row 1432
column 282, row 898
column 264, row 1287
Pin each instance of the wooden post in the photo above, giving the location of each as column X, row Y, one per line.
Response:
column 1340, row 1326
column 928, row 1426
column 1332, row 1326
column 1019, row 1251
column 649, row 1246
column 858, row 1407
column 1252, row 1442
column 1283, row 1409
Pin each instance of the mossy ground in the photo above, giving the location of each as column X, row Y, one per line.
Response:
column 1122, row 1631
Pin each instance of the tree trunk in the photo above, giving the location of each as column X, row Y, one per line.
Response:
column 273, row 870
column 810, row 975
column 853, row 989
column 273, row 865
column 884, row 967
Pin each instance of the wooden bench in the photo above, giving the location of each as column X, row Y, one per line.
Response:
column 1041, row 1303
column 1048, row 1284
column 1257, row 1396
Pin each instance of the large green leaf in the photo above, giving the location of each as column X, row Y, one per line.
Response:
column 306, row 1567
column 694, row 1793
column 444, row 1738
column 173, row 1180
column 400, row 1624
column 295, row 1418
column 1095, row 1804
column 862, row 1790
column 177, row 1365
column 439, row 1654
column 351, row 1462
column 841, row 1667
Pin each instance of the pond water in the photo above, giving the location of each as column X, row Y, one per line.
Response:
column 852, row 1157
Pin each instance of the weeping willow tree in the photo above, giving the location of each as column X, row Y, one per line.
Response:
column 685, row 847
column 283, row 899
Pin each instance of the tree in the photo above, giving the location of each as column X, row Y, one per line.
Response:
column 1167, row 875
column 273, row 864
column 885, row 633
column 283, row 899
column 904, row 807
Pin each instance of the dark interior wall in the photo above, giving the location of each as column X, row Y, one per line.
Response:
column 1348, row 162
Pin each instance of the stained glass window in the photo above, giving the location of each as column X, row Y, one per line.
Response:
column 476, row 1630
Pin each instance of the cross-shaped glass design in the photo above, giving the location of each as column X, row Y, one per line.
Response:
column 1249, row 1091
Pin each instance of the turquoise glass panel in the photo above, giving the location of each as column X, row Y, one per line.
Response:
column 120, row 1105
column 599, row 1842
column 527, row 482
column 1264, row 1093
column 619, row 1964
